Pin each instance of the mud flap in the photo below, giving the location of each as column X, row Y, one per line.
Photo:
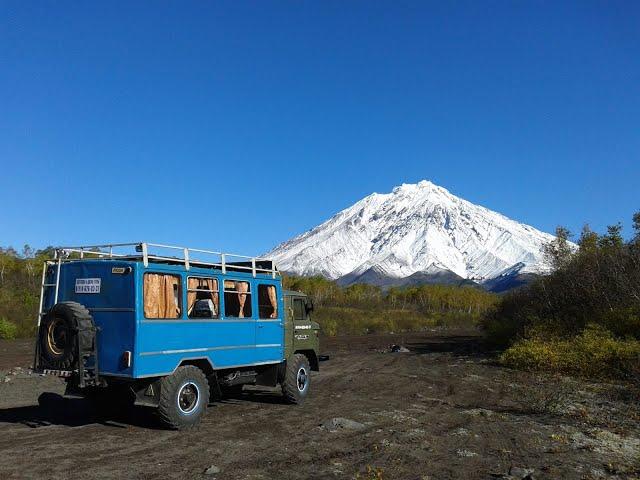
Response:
column 147, row 393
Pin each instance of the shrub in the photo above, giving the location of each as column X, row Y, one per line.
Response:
column 8, row 330
column 593, row 353
column 584, row 317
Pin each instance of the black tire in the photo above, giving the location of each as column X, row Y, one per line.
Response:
column 58, row 335
column 177, row 408
column 297, row 379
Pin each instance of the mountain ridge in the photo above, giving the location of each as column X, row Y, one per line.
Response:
column 417, row 229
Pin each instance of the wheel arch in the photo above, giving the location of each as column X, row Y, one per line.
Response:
column 203, row 363
column 312, row 357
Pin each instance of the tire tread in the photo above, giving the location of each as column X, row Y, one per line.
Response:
column 290, row 383
column 167, row 409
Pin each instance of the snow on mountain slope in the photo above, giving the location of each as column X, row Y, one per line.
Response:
column 415, row 228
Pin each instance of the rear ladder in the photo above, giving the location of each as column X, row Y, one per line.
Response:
column 43, row 285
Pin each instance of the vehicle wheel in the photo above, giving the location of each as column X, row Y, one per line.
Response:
column 184, row 396
column 58, row 335
column 295, row 386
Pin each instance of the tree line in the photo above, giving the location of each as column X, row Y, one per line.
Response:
column 583, row 317
column 20, row 276
column 426, row 299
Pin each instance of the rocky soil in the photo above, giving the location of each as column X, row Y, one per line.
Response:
column 443, row 410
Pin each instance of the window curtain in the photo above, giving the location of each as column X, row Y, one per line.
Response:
column 159, row 296
column 242, row 288
column 192, row 284
column 202, row 284
column 271, row 291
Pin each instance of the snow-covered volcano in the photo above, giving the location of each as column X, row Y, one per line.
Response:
column 416, row 231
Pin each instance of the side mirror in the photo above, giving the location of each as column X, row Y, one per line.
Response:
column 309, row 306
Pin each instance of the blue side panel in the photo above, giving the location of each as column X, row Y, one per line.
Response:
column 163, row 344
column 225, row 342
column 112, row 307
column 159, row 346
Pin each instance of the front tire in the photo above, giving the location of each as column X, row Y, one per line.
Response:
column 297, row 380
column 184, row 396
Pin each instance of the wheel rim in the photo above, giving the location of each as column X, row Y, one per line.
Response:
column 57, row 336
column 302, row 379
column 188, row 397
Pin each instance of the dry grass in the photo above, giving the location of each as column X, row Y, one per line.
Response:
column 355, row 321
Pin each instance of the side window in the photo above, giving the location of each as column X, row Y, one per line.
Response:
column 298, row 309
column 162, row 296
column 267, row 301
column 203, row 300
column 237, row 299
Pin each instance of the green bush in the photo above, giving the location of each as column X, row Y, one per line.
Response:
column 8, row 330
column 593, row 353
column 584, row 317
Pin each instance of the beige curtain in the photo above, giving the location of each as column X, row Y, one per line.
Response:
column 271, row 291
column 202, row 284
column 242, row 288
column 159, row 296
column 192, row 284
column 152, row 295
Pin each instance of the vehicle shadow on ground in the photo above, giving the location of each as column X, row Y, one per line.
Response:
column 266, row 396
column 54, row 409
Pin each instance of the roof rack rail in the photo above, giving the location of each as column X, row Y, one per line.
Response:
column 188, row 256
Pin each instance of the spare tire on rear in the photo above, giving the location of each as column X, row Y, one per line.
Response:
column 58, row 337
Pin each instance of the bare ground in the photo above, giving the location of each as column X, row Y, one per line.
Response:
column 442, row 411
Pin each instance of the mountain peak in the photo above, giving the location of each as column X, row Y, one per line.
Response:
column 416, row 229
column 414, row 187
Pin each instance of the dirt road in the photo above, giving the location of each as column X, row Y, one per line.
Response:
column 441, row 411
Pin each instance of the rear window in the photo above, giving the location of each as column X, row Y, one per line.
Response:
column 162, row 298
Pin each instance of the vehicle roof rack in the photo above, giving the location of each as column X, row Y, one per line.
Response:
column 153, row 252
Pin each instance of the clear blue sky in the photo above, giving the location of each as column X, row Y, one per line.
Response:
column 237, row 125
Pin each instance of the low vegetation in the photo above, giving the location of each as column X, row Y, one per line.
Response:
column 356, row 309
column 361, row 309
column 8, row 330
column 584, row 317
column 20, row 275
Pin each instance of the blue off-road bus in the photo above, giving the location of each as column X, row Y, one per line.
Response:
column 171, row 327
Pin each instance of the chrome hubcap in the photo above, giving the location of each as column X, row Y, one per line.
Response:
column 302, row 379
column 188, row 397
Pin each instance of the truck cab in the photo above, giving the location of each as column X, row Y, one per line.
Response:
column 172, row 327
column 301, row 332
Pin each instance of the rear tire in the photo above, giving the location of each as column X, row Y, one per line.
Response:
column 297, row 379
column 184, row 396
column 58, row 335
